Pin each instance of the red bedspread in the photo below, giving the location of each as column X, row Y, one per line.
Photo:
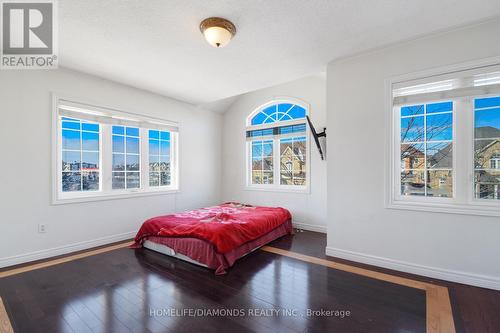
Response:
column 226, row 226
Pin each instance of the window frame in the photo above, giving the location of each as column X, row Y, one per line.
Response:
column 106, row 159
column 277, row 187
column 463, row 200
column 397, row 146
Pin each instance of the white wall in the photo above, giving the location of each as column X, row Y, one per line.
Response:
column 25, row 162
column 456, row 247
column 308, row 209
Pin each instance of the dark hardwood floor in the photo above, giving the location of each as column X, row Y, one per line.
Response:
column 475, row 310
column 142, row 291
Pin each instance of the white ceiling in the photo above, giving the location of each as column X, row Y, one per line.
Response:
column 156, row 45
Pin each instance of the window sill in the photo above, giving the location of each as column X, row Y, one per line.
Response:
column 474, row 208
column 69, row 199
column 303, row 190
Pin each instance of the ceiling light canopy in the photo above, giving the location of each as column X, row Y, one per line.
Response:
column 217, row 31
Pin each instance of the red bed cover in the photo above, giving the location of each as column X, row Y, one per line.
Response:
column 226, row 226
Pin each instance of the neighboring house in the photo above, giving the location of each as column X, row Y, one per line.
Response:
column 293, row 166
column 292, row 169
column 487, row 168
column 439, row 175
column 440, row 181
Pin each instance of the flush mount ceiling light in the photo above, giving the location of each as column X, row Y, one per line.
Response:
column 217, row 31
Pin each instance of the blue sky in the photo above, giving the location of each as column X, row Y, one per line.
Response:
column 489, row 117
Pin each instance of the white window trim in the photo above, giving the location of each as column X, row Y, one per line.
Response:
column 105, row 192
column 463, row 201
column 276, row 187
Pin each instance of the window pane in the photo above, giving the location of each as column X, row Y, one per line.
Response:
column 80, row 156
column 164, row 163
column 164, row 148
column 286, row 177
column 286, row 147
column 299, row 146
column 90, row 181
column 71, row 125
column 118, row 162
column 154, row 179
column 132, row 162
column 439, row 107
column 440, row 127
column 118, row 181
column 257, row 164
column 164, row 178
column 257, row 149
column 118, row 144
column 71, row 182
column 132, row 131
column 267, row 177
column 71, row 161
column 71, row 140
column 283, row 110
column 90, row 127
column 154, row 163
column 413, row 182
column 119, row 130
column 154, row 147
column 487, row 184
column 268, row 164
column 154, row 134
column 487, row 123
column 286, row 162
column 165, row 135
column 440, row 155
column 297, row 112
column 299, row 163
column 299, row 178
column 132, row 145
column 412, row 110
column 268, row 149
column 426, row 150
column 90, row 141
column 412, row 156
column 279, row 112
column 133, row 180
column 90, row 161
column 257, row 177
column 487, row 148
column 292, row 129
column 259, row 118
column 159, row 158
column 440, row 183
column 486, row 154
column 412, row 129
column 489, row 102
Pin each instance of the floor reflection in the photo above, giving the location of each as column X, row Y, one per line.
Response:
column 133, row 290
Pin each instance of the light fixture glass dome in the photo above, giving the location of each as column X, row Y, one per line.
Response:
column 217, row 31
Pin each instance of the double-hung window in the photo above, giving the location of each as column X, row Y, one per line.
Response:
column 277, row 147
column 102, row 153
column 445, row 148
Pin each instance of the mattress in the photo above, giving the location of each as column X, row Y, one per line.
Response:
column 169, row 252
column 203, row 253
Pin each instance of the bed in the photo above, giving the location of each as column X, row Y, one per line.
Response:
column 214, row 237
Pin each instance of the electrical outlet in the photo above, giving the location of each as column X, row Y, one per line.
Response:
column 42, row 228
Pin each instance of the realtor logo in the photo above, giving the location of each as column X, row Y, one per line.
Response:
column 28, row 34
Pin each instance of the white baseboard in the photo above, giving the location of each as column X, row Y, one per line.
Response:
column 310, row 227
column 65, row 249
column 477, row 280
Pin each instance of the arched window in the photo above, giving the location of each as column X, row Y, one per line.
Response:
column 277, row 145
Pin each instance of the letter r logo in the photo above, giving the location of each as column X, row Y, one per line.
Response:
column 27, row 28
